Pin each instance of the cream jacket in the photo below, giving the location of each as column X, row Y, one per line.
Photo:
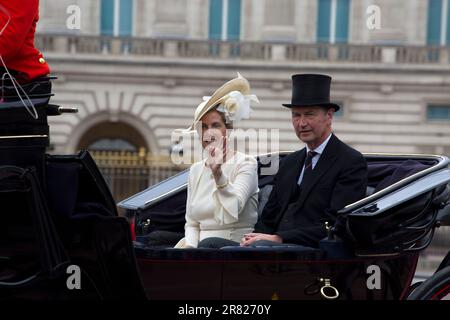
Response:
column 227, row 210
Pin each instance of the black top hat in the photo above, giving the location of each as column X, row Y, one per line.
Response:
column 311, row 90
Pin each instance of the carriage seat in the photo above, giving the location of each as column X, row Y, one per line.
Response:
column 380, row 176
column 383, row 175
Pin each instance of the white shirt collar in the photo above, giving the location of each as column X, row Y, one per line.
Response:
column 320, row 148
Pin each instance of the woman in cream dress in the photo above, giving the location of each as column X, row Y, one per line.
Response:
column 222, row 196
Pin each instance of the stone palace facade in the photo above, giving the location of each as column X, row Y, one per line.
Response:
column 136, row 69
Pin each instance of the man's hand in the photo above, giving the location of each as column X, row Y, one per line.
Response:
column 249, row 238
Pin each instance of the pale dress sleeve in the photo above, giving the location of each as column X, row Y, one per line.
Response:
column 192, row 227
column 230, row 197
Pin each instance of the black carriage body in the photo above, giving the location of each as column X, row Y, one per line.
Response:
column 24, row 139
column 209, row 274
column 56, row 213
column 75, row 225
column 401, row 188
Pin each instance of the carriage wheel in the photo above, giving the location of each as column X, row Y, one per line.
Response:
column 437, row 287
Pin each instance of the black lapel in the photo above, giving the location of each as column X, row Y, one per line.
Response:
column 290, row 179
column 326, row 160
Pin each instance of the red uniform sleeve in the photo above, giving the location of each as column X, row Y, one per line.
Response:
column 21, row 15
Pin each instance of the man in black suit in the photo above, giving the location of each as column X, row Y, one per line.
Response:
column 314, row 183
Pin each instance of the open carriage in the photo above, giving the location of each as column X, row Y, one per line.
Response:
column 58, row 217
column 370, row 253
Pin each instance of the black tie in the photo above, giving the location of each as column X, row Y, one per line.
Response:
column 295, row 195
column 308, row 164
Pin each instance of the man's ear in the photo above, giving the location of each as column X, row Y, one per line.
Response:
column 330, row 112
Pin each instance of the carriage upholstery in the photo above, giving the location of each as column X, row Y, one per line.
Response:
column 380, row 176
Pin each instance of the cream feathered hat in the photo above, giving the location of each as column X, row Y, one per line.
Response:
column 233, row 99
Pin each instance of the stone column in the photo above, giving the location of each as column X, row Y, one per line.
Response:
column 306, row 21
column 278, row 52
column 170, row 49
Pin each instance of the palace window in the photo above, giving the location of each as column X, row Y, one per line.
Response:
column 116, row 18
column 438, row 112
column 438, row 28
column 224, row 19
column 333, row 21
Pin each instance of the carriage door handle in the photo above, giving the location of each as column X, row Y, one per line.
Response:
column 325, row 288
